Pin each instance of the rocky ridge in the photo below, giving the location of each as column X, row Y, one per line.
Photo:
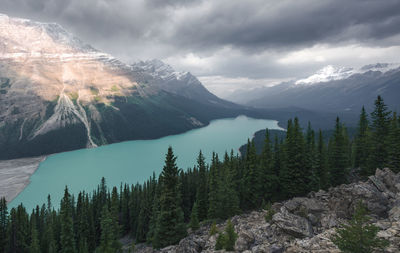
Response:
column 185, row 84
column 306, row 224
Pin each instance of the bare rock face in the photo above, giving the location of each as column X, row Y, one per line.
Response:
column 58, row 94
column 306, row 224
column 292, row 224
column 318, row 243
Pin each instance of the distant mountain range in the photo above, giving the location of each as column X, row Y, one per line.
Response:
column 332, row 89
column 58, row 93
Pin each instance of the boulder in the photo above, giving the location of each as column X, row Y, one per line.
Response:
column 390, row 179
column 260, row 248
column 292, row 224
column 344, row 198
column 276, row 249
column 244, row 241
column 319, row 243
column 394, row 214
column 169, row 249
column 191, row 244
column 210, row 243
column 307, row 205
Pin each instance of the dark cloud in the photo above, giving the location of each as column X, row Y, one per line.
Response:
column 264, row 24
column 257, row 33
column 197, row 24
column 172, row 3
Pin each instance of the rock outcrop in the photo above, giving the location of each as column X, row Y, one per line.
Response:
column 306, row 224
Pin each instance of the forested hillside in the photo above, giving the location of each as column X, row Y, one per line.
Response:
column 158, row 211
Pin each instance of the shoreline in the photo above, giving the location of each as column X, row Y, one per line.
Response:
column 15, row 175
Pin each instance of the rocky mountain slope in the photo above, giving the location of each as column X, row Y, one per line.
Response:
column 306, row 224
column 331, row 89
column 180, row 83
column 58, row 93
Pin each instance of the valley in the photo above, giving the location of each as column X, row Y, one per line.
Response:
column 128, row 162
column 110, row 143
column 59, row 94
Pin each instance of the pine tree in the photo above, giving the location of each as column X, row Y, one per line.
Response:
column 109, row 242
column 213, row 229
column 227, row 196
column 359, row 236
column 49, row 231
column 394, row 145
column 322, row 166
column 202, row 198
column 311, row 160
column 293, row 176
column 125, row 218
column 269, row 178
column 34, row 246
column 18, row 230
column 227, row 239
column 379, row 127
column 278, row 166
column 277, row 156
column 170, row 227
column 67, row 233
column 230, row 237
column 145, row 211
column 155, row 212
column 339, row 155
column 185, row 193
column 3, row 224
column 252, row 179
column 220, row 243
column 114, row 212
column 91, row 233
column 194, row 219
column 361, row 152
column 213, row 195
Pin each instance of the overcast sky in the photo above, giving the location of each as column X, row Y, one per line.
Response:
column 230, row 44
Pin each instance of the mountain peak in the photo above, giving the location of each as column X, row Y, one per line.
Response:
column 332, row 73
column 326, row 74
column 24, row 35
column 159, row 69
column 155, row 67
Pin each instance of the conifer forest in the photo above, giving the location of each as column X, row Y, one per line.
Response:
column 161, row 210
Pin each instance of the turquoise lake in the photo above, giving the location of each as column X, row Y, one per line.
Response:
column 133, row 161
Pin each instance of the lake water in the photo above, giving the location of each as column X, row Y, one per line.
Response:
column 133, row 161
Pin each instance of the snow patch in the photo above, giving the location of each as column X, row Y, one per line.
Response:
column 331, row 73
column 326, row 74
column 158, row 69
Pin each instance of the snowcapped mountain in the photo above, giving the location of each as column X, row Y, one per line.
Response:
column 334, row 89
column 58, row 93
column 28, row 35
column 184, row 84
column 157, row 69
column 332, row 73
column 326, row 74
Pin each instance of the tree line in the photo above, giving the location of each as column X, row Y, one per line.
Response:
column 160, row 210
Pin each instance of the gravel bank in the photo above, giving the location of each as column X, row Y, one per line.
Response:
column 15, row 174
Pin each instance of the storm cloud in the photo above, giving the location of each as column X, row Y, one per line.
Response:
column 252, row 39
